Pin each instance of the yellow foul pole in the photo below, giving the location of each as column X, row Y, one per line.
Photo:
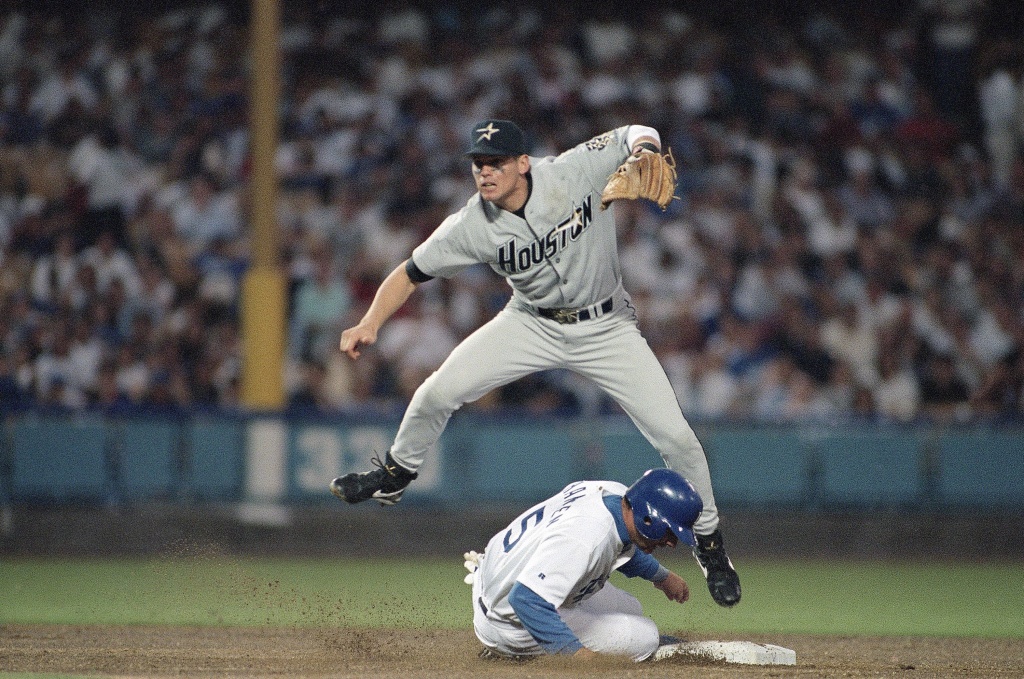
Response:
column 264, row 310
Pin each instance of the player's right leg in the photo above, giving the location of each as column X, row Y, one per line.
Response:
column 612, row 621
column 502, row 639
column 509, row 346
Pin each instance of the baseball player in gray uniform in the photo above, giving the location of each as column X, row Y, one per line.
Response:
column 539, row 223
column 541, row 585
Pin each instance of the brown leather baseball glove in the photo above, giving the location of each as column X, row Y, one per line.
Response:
column 645, row 174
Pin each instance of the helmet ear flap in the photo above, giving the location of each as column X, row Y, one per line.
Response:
column 650, row 527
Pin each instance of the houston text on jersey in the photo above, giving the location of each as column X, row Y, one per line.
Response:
column 515, row 259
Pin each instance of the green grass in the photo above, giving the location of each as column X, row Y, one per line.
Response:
column 819, row 597
column 859, row 598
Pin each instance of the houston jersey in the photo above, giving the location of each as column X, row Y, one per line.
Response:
column 564, row 253
column 563, row 549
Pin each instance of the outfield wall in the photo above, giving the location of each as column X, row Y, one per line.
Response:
column 58, row 459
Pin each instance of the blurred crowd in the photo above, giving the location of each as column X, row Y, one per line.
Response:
column 848, row 243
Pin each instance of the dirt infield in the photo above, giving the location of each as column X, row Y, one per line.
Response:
column 156, row 652
column 152, row 652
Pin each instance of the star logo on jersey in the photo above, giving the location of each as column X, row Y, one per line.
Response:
column 487, row 132
column 514, row 259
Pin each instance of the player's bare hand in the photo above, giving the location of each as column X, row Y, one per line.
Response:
column 584, row 654
column 355, row 336
column 675, row 588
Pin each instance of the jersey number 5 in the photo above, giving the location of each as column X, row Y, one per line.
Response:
column 525, row 523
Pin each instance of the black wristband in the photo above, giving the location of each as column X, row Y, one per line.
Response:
column 646, row 145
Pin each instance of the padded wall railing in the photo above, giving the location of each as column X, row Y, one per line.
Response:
column 202, row 457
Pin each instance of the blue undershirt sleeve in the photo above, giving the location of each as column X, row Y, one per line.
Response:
column 542, row 621
column 643, row 565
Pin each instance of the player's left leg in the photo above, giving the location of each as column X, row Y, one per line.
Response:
column 619, row 360
column 612, row 621
column 622, row 363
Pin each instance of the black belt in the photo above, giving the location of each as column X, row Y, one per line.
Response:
column 576, row 315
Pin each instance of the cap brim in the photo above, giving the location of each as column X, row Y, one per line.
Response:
column 685, row 535
column 485, row 150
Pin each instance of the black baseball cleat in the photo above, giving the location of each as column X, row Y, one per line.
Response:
column 385, row 484
column 723, row 581
column 490, row 654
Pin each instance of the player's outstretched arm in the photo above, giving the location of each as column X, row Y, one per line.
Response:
column 645, row 143
column 674, row 587
column 391, row 295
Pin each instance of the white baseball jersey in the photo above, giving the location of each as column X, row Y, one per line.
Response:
column 563, row 549
column 564, row 253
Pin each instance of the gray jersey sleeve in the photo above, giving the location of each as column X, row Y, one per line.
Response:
column 597, row 158
column 452, row 246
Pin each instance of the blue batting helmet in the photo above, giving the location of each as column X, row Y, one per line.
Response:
column 663, row 500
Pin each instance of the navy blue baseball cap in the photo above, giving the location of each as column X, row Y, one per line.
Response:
column 496, row 138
